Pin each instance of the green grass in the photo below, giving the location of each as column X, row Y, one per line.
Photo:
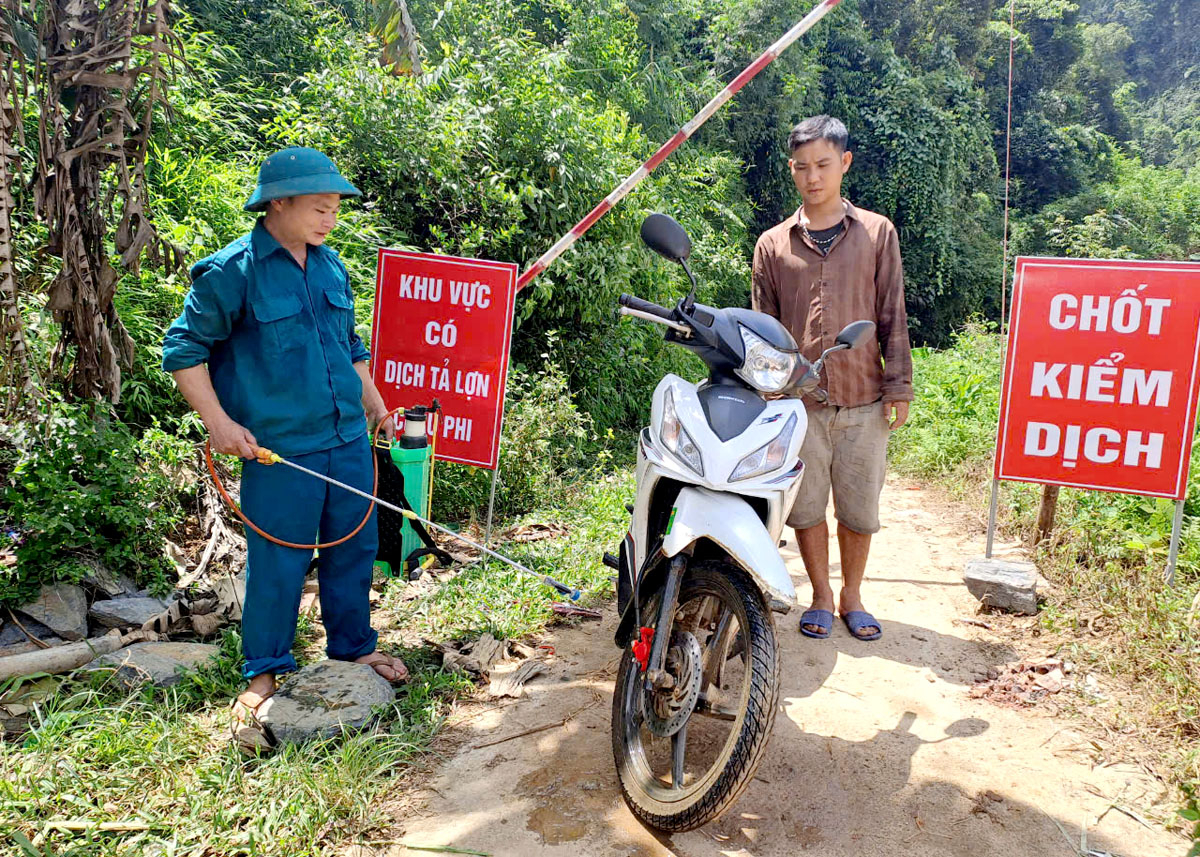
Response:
column 493, row 597
column 1106, row 556
column 161, row 758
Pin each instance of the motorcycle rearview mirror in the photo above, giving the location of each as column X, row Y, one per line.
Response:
column 663, row 234
column 856, row 333
column 853, row 335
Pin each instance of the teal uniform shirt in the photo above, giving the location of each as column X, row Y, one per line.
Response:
column 279, row 342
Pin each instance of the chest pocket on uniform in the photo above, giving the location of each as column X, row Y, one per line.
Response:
column 281, row 318
column 341, row 313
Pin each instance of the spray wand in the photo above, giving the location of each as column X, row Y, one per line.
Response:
column 266, row 456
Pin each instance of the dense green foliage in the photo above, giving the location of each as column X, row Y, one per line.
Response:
column 952, row 428
column 549, row 448
column 82, row 484
column 1140, row 212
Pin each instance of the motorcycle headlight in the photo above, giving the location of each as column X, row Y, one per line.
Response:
column 767, row 457
column 676, row 438
column 765, row 367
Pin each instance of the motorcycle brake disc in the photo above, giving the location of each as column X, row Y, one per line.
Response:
column 667, row 710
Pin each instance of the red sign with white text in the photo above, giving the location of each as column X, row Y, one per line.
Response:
column 1100, row 382
column 441, row 331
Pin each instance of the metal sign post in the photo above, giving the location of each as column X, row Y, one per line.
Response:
column 487, row 538
column 991, row 531
column 1173, row 555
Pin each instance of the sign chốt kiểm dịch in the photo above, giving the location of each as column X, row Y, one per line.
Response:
column 1100, row 379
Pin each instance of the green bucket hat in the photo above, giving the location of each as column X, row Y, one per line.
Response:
column 296, row 171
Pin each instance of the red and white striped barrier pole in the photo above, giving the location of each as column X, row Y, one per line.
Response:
column 635, row 178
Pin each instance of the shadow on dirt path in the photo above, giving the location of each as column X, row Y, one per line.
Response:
column 877, row 748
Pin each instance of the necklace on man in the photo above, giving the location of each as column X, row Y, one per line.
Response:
column 822, row 244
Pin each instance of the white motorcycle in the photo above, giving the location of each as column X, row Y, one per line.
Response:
column 718, row 469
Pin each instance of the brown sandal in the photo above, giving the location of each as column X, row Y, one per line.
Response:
column 245, row 729
column 378, row 659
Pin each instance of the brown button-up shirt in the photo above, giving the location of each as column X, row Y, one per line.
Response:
column 816, row 296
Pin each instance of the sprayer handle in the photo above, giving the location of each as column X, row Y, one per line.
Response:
column 264, row 456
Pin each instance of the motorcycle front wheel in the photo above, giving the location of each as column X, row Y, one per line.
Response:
column 686, row 751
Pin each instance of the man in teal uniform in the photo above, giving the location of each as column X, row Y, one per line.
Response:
column 265, row 352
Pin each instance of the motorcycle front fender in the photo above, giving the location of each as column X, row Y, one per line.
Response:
column 729, row 522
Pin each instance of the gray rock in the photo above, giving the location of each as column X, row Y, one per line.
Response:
column 62, row 608
column 159, row 663
column 1005, row 584
column 322, row 699
column 12, row 635
column 29, row 646
column 101, row 579
column 124, row 612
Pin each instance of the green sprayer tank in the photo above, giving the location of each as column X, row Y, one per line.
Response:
column 410, row 454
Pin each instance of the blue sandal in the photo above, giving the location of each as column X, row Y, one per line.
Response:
column 856, row 620
column 822, row 619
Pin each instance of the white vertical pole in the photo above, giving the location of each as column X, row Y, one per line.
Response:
column 487, row 538
column 1173, row 555
column 991, row 530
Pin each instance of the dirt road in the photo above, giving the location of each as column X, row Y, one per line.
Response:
column 877, row 750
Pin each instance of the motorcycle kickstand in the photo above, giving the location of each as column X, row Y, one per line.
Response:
column 662, row 626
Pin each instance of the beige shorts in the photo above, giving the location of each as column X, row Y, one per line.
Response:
column 846, row 449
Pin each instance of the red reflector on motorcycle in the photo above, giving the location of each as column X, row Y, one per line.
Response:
column 641, row 647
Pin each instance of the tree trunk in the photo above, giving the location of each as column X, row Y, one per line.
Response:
column 1046, row 514
column 60, row 659
column 15, row 373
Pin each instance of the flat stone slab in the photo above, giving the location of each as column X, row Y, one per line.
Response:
column 62, row 608
column 159, row 663
column 1009, row 585
column 123, row 612
column 107, row 581
column 323, row 699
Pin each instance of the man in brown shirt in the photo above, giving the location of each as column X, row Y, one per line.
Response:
column 825, row 266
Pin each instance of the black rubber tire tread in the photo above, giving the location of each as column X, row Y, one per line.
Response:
column 751, row 743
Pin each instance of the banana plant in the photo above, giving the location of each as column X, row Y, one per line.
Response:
column 394, row 27
column 97, row 73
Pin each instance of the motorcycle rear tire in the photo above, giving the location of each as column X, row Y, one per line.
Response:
column 732, row 772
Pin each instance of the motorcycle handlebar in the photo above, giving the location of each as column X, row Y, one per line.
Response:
column 634, row 302
column 808, row 379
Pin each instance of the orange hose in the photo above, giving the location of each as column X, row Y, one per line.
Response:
column 212, row 471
